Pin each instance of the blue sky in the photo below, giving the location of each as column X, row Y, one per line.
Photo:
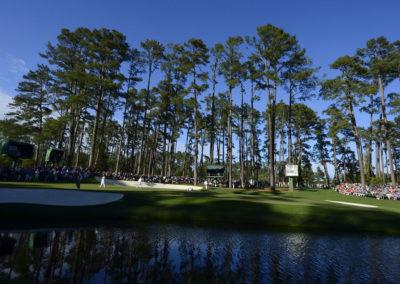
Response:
column 327, row 29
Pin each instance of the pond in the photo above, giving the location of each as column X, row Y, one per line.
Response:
column 184, row 254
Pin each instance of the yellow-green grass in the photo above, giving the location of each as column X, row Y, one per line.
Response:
column 300, row 210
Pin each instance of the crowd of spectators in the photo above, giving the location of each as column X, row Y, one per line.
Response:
column 55, row 174
column 158, row 179
column 42, row 174
column 377, row 191
column 145, row 178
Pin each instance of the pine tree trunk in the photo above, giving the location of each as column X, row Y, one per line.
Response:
column 171, row 159
column 212, row 134
column 386, row 161
column 153, row 151
column 229, row 150
column 147, row 147
column 219, row 146
column 76, row 130
column 61, row 139
column 396, row 163
column 271, row 131
column 135, row 135
column 203, row 141
column 117, row 164
column 37, row 155
column 129, row 153
column 271, row 149
column 242, row 140
column 78, row 150
column 186, row 150
column 71, row 138
column 300, row 149
column 382, row 162
column 196, row 145
column 370, row 137
column 74, row 120
column 337, row 181
column 290, row 125
column 142, row 142
column 386, row 127
column 357, row 140
column 282, row 145
column 252, row 132
column 95, row 129
column 103, row 127
column 326, row 174
column 247, row 155
column 163, row 164
column 377, row 160
column 344, row 168
column 223, row 147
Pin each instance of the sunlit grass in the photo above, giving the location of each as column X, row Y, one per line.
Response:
column 304, row 209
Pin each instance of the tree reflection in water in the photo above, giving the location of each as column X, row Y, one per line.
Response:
column 175, row 254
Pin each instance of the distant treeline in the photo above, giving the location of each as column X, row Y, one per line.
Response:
column 71, row 103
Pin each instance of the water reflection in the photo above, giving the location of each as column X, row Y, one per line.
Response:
column 175, row 254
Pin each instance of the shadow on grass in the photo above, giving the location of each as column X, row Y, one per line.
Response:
column 306, row 189
column 207, row 208
column 256, row 192
column 353, row 219
column 61, row 185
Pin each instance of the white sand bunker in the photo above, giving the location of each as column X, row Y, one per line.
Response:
column 150, row 184
column 353, row 204
column 56, row 197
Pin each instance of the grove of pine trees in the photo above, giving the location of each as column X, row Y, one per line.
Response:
column 86, row 100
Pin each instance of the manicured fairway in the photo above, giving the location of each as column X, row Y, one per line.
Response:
column 309, row 209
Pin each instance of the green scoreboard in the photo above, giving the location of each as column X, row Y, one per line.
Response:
column 54, row 155
column 215, row 171
column 17, row 150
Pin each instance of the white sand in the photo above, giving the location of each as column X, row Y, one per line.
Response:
column 353, row 204
column 56, row 197
column 149, row 184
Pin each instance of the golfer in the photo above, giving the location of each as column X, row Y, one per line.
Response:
column 139, row 184
column 205, row 183
column 78, row 180
column 103, row 181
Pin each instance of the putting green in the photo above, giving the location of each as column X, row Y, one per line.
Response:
column 56, row 197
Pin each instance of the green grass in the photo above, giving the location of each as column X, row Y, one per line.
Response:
column 300, row 210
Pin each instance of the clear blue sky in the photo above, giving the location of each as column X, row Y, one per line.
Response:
column 327, row 29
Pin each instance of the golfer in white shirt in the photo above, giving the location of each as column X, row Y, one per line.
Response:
column 103, row 181
column 139, row 184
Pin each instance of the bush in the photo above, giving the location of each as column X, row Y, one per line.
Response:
column 376, row 181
